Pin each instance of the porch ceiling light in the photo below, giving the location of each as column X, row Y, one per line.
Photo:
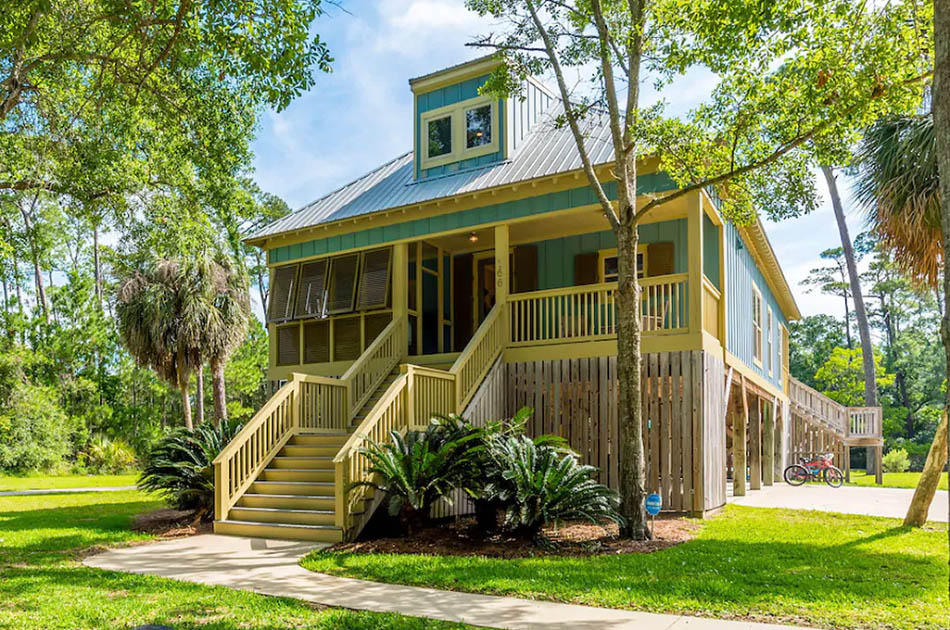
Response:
column 473, row 237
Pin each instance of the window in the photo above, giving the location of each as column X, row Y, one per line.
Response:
column 608, row 270
column 311, row 294
column 440, row 136
column 770, row 347
column 281, row 299
column 757, row 326
column 374, row 280
column 477, row 126
column 783, row 334
column 458, row 132
column 343, row 275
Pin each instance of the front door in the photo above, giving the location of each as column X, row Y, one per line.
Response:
column 484, row 286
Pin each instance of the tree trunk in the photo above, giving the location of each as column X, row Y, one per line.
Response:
column 860, row 313
column 218, row 392
column 630, row 410
column 940, row 104
column 929, row 479
column 183, row 387
column 200, row 393
column 97, row 268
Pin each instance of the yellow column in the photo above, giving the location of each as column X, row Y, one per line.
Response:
column 400, row 279
column 501, row 264
column 695, row 265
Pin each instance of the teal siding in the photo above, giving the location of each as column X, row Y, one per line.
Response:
column 449, row 95
column 540, row 204
column 711, row 251
column 556, row 256
column 741, row 275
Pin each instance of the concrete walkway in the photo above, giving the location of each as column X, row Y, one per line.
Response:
column 270, row 567
column 890, row 502
column 24, row 493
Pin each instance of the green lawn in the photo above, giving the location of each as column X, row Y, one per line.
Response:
column 829, row 570
column 47, row 482
column 44, row 587
column 893, row 480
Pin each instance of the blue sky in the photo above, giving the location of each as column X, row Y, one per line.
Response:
column 361, row 116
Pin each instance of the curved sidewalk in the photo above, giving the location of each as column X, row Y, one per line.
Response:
column 270, row 567
column 26, row 493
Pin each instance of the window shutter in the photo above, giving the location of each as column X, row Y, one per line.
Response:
column 342, row 289
column 585, row 268
column 525, row 268
column 346, row 339
column 282, row 294
column 288, row 345
column 659, row 259
column 316, row 342
column 312, row 293
column 374, row 279
column 373, row 325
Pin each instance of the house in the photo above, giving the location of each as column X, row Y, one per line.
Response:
column 477, row 274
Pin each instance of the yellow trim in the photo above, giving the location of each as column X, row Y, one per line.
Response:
column 456, row 114
column 451, row 76
column 759, row 246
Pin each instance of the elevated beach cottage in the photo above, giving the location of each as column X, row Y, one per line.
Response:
column 476, row 274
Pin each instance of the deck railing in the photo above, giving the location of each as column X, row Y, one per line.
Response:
column 473, row 364
column 381, row 356
column 846, row 422
column 239, row 463
column 431, row 392
column 865, row 422
column 711, row 298
column 589, row 312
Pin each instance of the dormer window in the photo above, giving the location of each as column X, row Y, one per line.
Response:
column 458, row 132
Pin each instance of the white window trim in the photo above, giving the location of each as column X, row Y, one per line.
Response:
column 757, row 326
column 604, row 254
column 459, row 151
column 770, row 346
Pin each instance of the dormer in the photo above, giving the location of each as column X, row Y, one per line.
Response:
column 457, row 129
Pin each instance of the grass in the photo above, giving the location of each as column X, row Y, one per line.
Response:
column 45, row 587
column 54, row 482
column 893, row 480
column 828, row 570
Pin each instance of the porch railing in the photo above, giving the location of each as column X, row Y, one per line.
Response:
column 486, row 344
column 865, row 422
column 380, row 357
column 589, row 312
column 846, row 422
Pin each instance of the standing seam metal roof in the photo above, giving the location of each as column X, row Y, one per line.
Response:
column 548, row 150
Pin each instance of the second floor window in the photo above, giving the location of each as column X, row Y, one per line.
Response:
column 440, row 136
column 757, row 325
column 477, row 126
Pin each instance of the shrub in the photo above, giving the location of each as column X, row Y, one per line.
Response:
column 180, row 469
column 418, row 469
column 108, row 456
column 895, row 461
column 34, row 431
column 542, row 484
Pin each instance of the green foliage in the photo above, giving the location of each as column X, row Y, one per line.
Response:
column 422, row 467
column 105, row 456
column 540, row 484
column 34, row 432
column 180, row 469
column 895, row 461
column 841, row 378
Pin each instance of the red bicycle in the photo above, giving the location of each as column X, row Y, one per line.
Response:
column 819, row 468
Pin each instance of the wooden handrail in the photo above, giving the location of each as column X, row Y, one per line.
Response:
column 845, row 421
column 380, row 357
column 486, row 344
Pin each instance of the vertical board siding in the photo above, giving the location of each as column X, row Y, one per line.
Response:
column 525, row 112
column 684, row 428
column 711, row 251
column 741, row 274
column 556, row 256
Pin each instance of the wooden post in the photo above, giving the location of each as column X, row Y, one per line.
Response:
column 694, row 228
column 740, row 423
column 768, row 445
column 755, row 446
column 501, row 264
column 878, row 465
column 847, row 463
column 419, row 308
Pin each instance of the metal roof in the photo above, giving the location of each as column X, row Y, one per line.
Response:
column 548, row 149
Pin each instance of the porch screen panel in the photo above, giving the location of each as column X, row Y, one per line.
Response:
column 311, row 295
column 281, row 301
column 288, row 345
column 374, row 279
column 346, row 339
column 342, row 289
column 316, row 342
column 660, row 260
column 525, row 269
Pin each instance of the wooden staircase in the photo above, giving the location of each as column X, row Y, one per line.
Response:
column 294, row 496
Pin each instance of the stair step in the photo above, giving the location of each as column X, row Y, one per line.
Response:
column 287, row 516
column 287, row 501
column 306, row 488
column 296, row 474
column 312, row 463
column 317, row 533
column 321, row 439
column 309, row 451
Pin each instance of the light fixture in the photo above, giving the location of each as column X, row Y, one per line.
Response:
column 473, row 237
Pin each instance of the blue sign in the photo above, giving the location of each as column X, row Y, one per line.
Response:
column 653, row 504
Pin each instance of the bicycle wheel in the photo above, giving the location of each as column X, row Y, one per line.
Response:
column 834, row 477
column 796, row 475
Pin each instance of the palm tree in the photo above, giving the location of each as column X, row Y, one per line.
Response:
column 149, row 320
column 898, row 185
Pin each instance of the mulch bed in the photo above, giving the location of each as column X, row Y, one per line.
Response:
column 461, row 538
column 169, row 523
